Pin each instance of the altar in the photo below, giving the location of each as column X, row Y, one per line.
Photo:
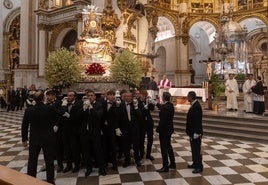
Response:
column 200, row 92
column 180, row 95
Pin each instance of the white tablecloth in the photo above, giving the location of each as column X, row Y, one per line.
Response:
column 200, row 92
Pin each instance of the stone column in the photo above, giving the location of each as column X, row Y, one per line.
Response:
column 182, row 74
column 42, row 49
column 24, row 32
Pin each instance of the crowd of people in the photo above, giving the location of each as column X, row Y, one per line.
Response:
column 96, row 132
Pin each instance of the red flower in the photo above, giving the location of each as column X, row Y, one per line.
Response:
column 95, row 69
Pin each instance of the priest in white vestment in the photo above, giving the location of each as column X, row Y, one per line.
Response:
column 248, row 95
column 231, row 92
column 164, row 85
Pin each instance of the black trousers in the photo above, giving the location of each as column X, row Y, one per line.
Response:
column 109, row 145
column 91, row 145
column 59, row 148
column 146, row 129
column 166, row 149
column 196, row 152
column 72, row 146
column 49, row 154
column 131, row 136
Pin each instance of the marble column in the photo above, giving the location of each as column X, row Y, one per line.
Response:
column 182, row 74
column 24, row 32
column 42, row 50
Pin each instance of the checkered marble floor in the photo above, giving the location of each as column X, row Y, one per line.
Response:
column 225, row 161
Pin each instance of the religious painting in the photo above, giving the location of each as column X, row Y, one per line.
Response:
column 208, row 7
column 242, row 4
column 197, row 7
column 257, row 3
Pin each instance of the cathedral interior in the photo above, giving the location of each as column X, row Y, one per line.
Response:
column 186, row 40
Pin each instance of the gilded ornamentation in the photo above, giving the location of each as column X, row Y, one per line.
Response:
column 42, row 4
column 56, row 31
column 109, row 22
column 14, row 43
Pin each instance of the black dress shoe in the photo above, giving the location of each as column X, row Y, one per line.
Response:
column 197, row 170
column 102, row 172
column 60, row 168
column 190, row 166
column 150, row 157
column 88, row 172
column 66, row 169
column 138, row 163
column 172, row 166
column 126, row 164
column 163, row 170
column 76, row 169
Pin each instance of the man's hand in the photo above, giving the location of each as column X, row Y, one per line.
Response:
column 118, row 132
column 196, row 136
column 25, row 143
column 55, row 128
column 64, row 102
column 66, row 114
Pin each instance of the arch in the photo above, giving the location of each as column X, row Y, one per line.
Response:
column 69, row 39
column 214, row 21
column 262, row 17
column 59, row 33
column 10, row 17
column 160, row 61
column 166, row 29
column 172, row 18
column 195, row 44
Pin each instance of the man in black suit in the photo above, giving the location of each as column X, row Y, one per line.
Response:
column 53, row 101
column 71, row 121
column 41, row 119
column 194, row 130
column 146, row 125
column 90, row 132
column 110, row 128
column 165, row 130
column 130, row 115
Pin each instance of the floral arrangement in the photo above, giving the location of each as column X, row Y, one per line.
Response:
column 95, row 69
column 126, row 69
column 62, row 68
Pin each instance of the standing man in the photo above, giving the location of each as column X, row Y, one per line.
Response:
column 231, row 92
column 41, row 119
column 129, row 125
column 165, row 130
column 164, row 85
column 152, row 88
column 90, row 132
column 248, row 95
column 194, row 130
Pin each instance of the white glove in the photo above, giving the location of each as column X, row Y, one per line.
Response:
column 118, row 101
column 86, row 104
column 135, row 103
column 55, row 128
column 146, row 106
column 196, row 136
column 66, row 114
column 118, row 132
column 64, row 102
column 33, row 103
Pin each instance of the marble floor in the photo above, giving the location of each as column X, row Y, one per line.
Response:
column 226, row 161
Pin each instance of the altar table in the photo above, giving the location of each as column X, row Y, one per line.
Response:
column 200, row 92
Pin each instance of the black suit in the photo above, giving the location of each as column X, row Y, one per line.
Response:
column 110, row 121
column 59, row 141
column 194, row 125
column 165, row 130
column 41, row 119
column 90, row 133
column 147, row 127
column 130, row 130
column 70, row 132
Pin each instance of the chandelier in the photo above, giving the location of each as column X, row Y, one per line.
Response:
column 230, row 46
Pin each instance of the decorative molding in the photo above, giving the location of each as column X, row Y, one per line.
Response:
column 57, row 30
column 28, row 66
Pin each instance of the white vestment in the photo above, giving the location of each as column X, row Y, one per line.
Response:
column 231, row 85
column 248, row 95
column 164, row 86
